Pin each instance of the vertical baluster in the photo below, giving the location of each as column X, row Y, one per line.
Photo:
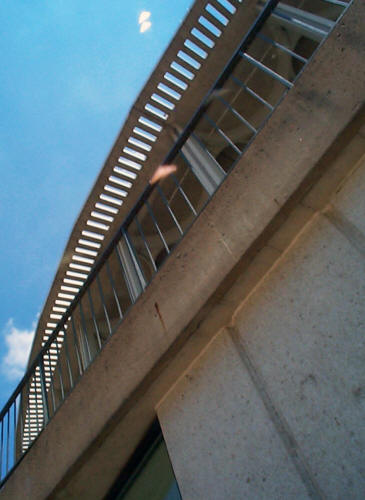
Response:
column 15, row 436
column 26, row 435
column 51, row 376
column 7, row 440
column 42, row 377
column 131, row 267
column 84, row 334
column 60, row 371
column 259, row 65
column 98, row 337
column 68, row 363
column 35, row 417
column 169, row 209
column 146, row 245
column 183, row 194
column 282, row 47
column 251, row 92
column 221, row 133
column 241, row 118
column 155, row 223
column 78, row 355
column 103, row 304
column 2, row 447
column 110, row 276
column 21, row 421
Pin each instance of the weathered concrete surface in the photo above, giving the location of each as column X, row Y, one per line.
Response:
column 220, row 438
column 91, row 420
column 304, row 330
column 350, row 199
column 299, row 363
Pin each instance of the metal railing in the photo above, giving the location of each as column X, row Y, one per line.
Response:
column 260, row 73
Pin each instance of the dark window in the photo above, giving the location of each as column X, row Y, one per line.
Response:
column 149, row 474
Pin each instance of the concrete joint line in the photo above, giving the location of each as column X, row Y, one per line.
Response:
column 221, row 238
column 281, row 255
column 355, row 237
column 226, row 246
column 280, row 424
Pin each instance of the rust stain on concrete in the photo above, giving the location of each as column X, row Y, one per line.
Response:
column 160, row 316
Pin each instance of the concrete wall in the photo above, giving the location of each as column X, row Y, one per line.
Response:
column 274, row 406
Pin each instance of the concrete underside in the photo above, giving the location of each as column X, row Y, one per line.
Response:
column 271, row 210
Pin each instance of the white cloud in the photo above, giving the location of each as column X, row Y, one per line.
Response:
column 18, row 343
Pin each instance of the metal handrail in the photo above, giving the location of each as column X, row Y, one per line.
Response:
column 265, row 13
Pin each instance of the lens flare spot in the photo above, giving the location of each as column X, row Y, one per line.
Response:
column 144, row 16
column 145, row 26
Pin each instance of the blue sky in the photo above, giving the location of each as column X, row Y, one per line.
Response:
column 70, row 71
